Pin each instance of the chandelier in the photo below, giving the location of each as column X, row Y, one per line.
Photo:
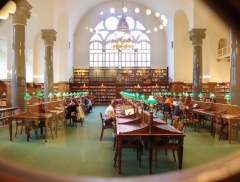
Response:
column 122, row 38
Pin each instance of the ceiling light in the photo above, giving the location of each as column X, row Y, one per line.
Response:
column 86, row 27
column 157, row 14
column 148, row 11
column 97, row 32
column 101, row 13
column 162, row 17
column 148, row 31
column 124, row 9
column 10, row 7
column 164, row 23
column 155, row 29
column 137, row 10
column 90, row 29
column 112, row 10
column 3, row 15
column 161, row 27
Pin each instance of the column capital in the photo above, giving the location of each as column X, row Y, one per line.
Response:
column 196, row 36
column 49, row 36
column 22, row 13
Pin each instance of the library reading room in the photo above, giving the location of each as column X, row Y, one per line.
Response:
column 112, row 90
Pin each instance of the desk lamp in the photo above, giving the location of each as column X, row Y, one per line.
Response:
column 27, row 98
column 212, row 96
column 151, row 102
column 227, row 97
column 40, row 96
column 4, row 94
column 200, row 96
column 50, row 96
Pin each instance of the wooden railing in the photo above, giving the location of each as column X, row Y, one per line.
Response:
column 4, row 113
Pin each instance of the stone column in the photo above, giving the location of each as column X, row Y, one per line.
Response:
column 234, row 67
column 196, row 36
column 49, row 36
column 18, row 54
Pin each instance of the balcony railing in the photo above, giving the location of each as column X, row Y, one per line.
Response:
column 225, row 51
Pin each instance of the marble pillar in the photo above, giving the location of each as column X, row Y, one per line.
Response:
column 196, row 36
column 234, row 67
column 49, row 36
column 18, row 54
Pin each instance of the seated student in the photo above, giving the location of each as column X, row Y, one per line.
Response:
column 188, row 101
column 169, row 101
column 178, row 109
column 72, row 107
column 110, row 112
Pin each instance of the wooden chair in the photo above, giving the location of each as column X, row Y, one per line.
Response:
column 77, row 116
column 219, row 123
column 130, row 143
column 105, row 125
column 174, row 119
column 235, row 125
column 63, row 119
column 51, row 125
column 166, row 143
column 19, row 122
column 165, row 116
column 190, row 118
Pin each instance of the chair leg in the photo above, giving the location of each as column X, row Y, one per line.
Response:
column 101, row 135
column 115, row 158
column 214, row 131
column 51, row 132
column 155, row 159
column 16, row 130
column 174, row 155
column 21, row 130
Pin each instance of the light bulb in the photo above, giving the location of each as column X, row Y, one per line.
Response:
column 155, row 29
column 124, row 9
column 161, row 27
column 157, row 14
column 148, row 11
column 162, row 17
column 137, row 10
column 112, row 10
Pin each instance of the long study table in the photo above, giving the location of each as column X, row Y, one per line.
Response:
column 148, row 129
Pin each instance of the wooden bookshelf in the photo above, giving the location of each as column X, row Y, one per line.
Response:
column 222, row 88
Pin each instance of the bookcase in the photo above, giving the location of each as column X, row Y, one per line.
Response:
column 106, row 84
column 221, row 89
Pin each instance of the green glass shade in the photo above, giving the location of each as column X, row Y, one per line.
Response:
column 191, row 94
column 58, row 94
column 40, row 95
column 71, row 94
column 159, row 93
column 186, row 94
column 212, row 96
column 174, row 94
column 27, row 96
column 74, row 93
column 50, row 95
column 163, row 93
column 169, row 93
column 143, row 97
column 4, row 93
column 137, row 95
column 180, row 94
column 166, row 93
column 227, row 96
column 200, row 95
column 151, row 100
column 64, row 95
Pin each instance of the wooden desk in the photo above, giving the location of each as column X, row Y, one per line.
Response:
column 227, row 117
column 27, row 117
column 147, row 130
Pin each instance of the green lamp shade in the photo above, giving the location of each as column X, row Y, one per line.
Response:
column 143, row 97
column 66, row 94
column 174, row 94
column 227, row 96
column 163, row 93
column 27, row 96
column 151, row 100
column 169, row 93
column 186, row 94
column 71, row 94
column 4, row 93
column 200, row 95
column 50, row 95
column 191, row 94
column 137, row 95
column 180, row 94
column 166, row 93
column 212, row 96
column 74, row 93
column 40, row 95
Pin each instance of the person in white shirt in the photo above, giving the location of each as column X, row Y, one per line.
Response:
column 110, row 111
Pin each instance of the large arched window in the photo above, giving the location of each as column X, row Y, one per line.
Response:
column 101, row 55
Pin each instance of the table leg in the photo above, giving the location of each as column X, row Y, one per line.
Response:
column 27, row 126
column 10, row 129
column 180, row 151
column 150, row 152
column 229, row 131
column 46, row 130
column 56, row 125
column 119, row 155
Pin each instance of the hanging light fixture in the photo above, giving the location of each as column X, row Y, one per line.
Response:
column 122, row 38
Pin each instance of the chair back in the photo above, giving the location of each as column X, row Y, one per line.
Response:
column 101, row 117
column 165, row 116
column 175, row 119
column 217, row 118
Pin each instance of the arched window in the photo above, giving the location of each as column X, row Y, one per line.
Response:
column 101, row 54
